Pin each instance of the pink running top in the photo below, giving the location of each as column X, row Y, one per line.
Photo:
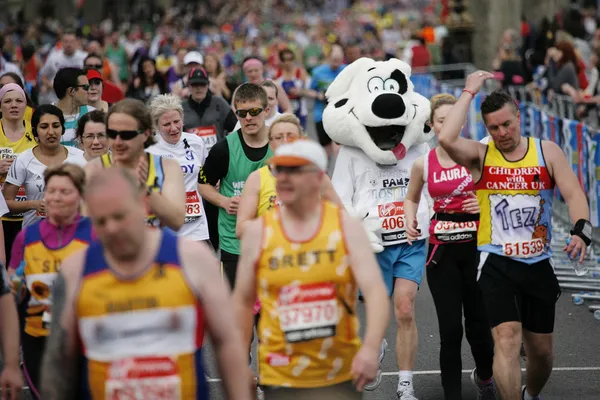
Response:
column 449, row 188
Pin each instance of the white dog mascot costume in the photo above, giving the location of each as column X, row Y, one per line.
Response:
column 374, row 113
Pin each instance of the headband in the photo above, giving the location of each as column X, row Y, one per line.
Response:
column 10, row 87
column 253, row 62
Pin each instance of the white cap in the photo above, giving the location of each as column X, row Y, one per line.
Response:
column 300, row 152
column 193, row 57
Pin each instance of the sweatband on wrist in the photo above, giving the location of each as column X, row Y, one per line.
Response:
column 583, row 229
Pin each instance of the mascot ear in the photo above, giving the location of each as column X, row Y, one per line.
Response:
column 342, row 82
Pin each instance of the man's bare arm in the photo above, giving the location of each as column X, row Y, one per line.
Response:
column 244, row 294
column 465, row 152
column 249, row 200
column 60, row 364
column 214, row 295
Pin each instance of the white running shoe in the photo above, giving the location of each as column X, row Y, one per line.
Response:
column 485, row 392
column 406, row 391
column 377, row 381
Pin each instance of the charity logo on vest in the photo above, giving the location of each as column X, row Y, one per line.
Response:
column 238, row 187
column 525, row 178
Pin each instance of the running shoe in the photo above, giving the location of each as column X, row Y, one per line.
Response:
column 523, row 394
column 377, row 381
column 485, row 391
column 406, row 391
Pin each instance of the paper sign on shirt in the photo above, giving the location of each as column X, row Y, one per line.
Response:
column 207, row 133
column 193, row 207
column 143, row 378
column 308, row 311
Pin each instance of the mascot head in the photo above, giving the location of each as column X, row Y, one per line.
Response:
column 372, row 105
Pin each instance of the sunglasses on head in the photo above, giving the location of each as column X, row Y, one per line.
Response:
column 124, row 135
column 253, row 112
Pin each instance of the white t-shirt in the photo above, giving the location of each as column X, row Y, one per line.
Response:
column 58, row 60
column 380, row 191
column 28, row 171
column 3, row 206
column 190, row 153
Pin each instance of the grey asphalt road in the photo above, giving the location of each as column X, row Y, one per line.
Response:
column 577, row 364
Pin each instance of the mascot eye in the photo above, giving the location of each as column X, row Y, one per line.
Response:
column 340, row 103
column 375, row 84
column 391, row 85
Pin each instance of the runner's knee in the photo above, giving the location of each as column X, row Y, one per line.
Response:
column 404, row 309
column 507, row 339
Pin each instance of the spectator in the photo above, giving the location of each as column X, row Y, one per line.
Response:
column 148, row 83
column 561, row 62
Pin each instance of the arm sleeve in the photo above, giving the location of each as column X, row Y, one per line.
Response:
column 18, row 248
column 216, row 165
column 17, row 173
column 343, row 177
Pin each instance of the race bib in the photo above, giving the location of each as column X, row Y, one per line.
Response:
column 391, row 218
column 143, row 378
column 526, row 249
column 308, row 312
column 207, row 133
column 446, row 231
column 193, row 208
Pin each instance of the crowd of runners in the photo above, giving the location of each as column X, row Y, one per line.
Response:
column 114, row 265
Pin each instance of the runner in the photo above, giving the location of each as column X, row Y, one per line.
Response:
column 91, row 134
column 39, row 250
column 134, row 304
column 189, row 151
column 514, row 180
column 11, row 379
column 294, row 80
column 304, row 256
column 259, row 194
column 15, row 138
column 71, row 86
column 272, row 95
column 211, row 118
column 129, row 130
column 452, row 260
column 230, row 162
column 47, row 126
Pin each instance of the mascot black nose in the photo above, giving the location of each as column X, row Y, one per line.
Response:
column 388, row 106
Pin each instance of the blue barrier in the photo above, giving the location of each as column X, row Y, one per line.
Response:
column 580, row 142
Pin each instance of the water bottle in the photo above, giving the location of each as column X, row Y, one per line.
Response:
column 578, row 300
column 597, row 315
column 580, row 269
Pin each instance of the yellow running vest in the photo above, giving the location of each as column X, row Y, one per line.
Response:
column 516, row 205
column 9, row 150
column 267, row 195
column 308, row 328
column 155, row 180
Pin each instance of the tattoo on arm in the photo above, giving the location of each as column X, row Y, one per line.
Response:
column 59, row 372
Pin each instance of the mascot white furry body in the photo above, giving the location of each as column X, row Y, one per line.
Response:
column 374, row 113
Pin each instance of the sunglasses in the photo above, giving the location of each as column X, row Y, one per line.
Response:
column 94, row 66
column 253, row 112
column 124, row 135
column 85, row 87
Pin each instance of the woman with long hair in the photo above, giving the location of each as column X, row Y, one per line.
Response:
column 130, row 133
column 47, row 125
column 148, row 83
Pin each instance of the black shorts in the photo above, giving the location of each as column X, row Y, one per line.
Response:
column 515, row 291
column 229, row 263
column 324, row 138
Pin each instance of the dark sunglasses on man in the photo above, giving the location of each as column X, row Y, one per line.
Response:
column 253, row 112
column 97, row 67
column 85, row 87
column 124, row 135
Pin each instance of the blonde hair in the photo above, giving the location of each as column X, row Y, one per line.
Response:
column 287, row 118
column 72, row 171
column 439, row 100
column 162, row 104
